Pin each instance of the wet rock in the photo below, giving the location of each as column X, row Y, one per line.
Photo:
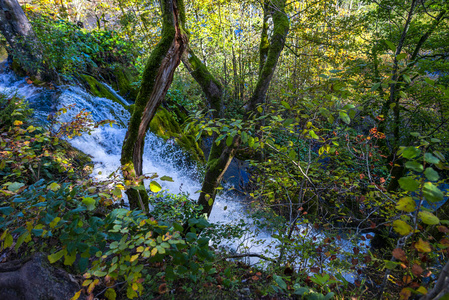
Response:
column 35, row 279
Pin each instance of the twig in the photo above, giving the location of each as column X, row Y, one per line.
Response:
column 251, row 255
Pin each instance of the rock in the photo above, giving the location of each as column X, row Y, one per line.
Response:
column 35, row 279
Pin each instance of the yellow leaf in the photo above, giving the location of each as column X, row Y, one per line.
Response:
column 17, row 123
column 428, row 218
column 76, row 296
column 422, row 290
column 402, row 227
column 422, row 246
column 86, row 282
column 406, row 204
column 134, row 257
column 153, row 252
column 155, row 187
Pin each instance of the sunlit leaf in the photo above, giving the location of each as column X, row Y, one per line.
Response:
column 428, row 218
column 56, row 256
column 431, row 174
column 89, row 202
column 344, row 116
column 53, row 186
column 422, row 246
column 167, row 178
column 410, row 152
column 402, row 227
column 408, row 184
column 406, row 204
column 431, row 159
column 155, row 187
column 432, row 193
column 415, row 166
column 313, row 134
column 15, row 186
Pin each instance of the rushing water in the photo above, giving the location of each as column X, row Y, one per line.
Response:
column 104, row 147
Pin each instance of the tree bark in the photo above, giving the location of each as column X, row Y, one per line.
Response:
column 156, row 79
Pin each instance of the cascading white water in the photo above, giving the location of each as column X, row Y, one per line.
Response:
column 104, row 143
column 104, row 147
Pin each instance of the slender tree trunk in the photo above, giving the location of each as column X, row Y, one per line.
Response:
column 221, row 155
column 156, row 79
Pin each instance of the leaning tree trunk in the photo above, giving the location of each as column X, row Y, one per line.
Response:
column 221, row 155
column 19, row 34
column 156, row 79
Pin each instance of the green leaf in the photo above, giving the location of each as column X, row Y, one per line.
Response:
column 229, row 140
column 410, row 152
column 431, row 174
column 429, row 218
column 21, row 239
column 89, row 202
column 8, row 241
column 56, row 256
column 167, row 178
column 408, row 184
column 250, row 141
column 406, row 204
column 402, row 227
column 69, row 259
column 292, row 154
column 390, row 45
column 54, row 186
column 415, row 166
column 244, row 136
column 285, row 104
column 280, row 282
column 155, row 187
column 100, row 273
column 344, row 116
column 432, row 193
column 6, row 210
column 406, row 78
column 329, row 296
column 428, row 157
column 313, row 135
column 429, row 81
column 110, row 294
column 13, row 187
column 375, row 87
column 401, row 56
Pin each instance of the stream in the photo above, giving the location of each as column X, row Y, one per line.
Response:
column 104, row 146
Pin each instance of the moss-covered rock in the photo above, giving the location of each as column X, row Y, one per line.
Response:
column 165, row 126
column 122, row 82
column 98, row 89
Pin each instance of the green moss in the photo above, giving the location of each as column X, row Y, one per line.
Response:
column 209, row 84
column 165, row 126
column 122, row 83
column 98, row 89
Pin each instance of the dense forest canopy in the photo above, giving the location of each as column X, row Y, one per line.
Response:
column 337, row 109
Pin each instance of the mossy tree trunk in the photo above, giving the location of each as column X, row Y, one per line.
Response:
column 19, row 34
column 156, row 79
column 270, row 49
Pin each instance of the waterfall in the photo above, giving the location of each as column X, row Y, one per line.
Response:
column 104, row 143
